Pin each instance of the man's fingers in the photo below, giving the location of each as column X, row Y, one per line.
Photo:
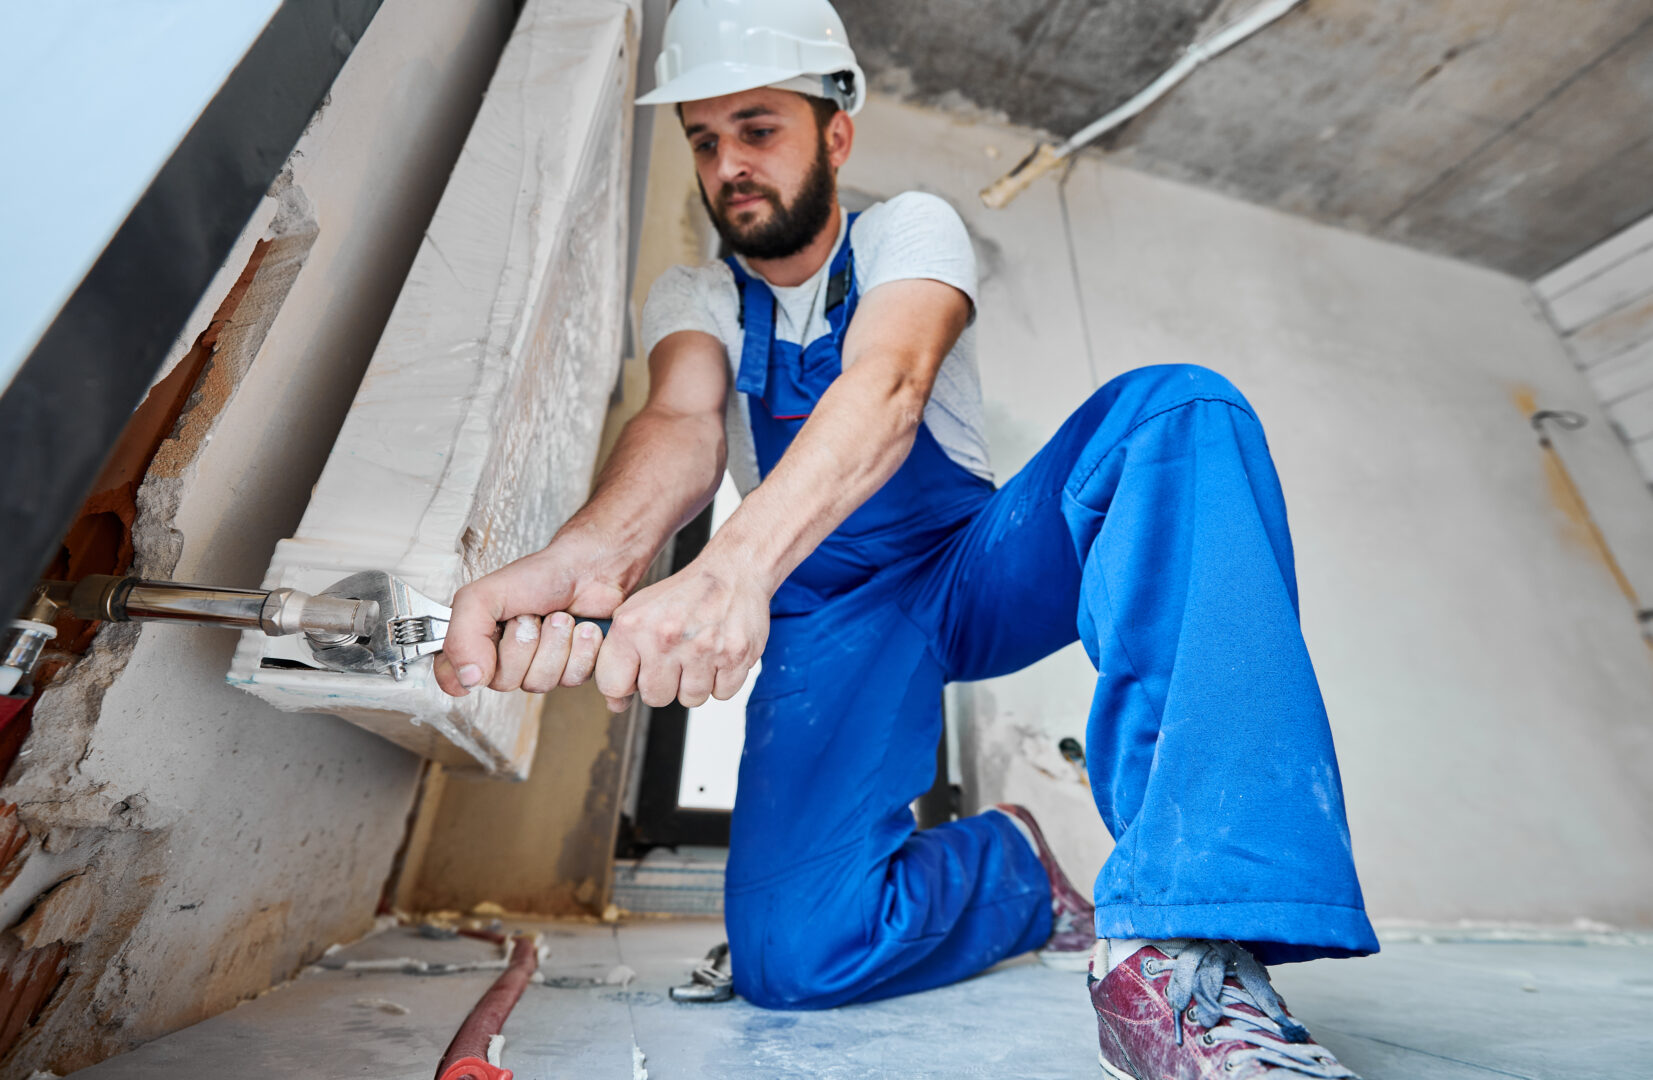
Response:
column 516, row 650
column 617, row 671
column 551, row 658
column 583, row 654
column 468, row 655
column 657, row 681
column 729, row 682
column 695, row 686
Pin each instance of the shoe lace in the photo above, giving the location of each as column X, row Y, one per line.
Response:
column 1199, row 980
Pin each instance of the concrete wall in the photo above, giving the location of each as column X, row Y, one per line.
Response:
column 1510, row 133
column 1489, row 691
column 187, row 845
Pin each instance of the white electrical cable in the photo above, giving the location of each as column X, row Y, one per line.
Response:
column 1046, row 157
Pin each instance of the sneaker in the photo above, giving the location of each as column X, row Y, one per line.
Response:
column 1073, row 918
column 1209, row 1013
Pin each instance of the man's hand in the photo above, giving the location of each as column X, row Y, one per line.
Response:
column 662, row 471
column 692, row 636
column 532, row 653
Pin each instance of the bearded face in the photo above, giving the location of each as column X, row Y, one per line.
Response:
column 756, row 221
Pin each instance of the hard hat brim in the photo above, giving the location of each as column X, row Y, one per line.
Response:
column 701, row 83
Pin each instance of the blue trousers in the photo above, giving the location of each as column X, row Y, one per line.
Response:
column 1151, row 527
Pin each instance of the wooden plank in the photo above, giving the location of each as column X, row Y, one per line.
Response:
column 1606, row 292
column 1634, row 415
column 1643, row 453
column 1623, row 374
column 1613, row 334
column 475, row 430
column 1605, row 255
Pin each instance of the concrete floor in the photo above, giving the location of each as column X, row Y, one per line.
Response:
column 1424, row 1010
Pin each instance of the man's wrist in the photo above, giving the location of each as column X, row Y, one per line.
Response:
column 727, row 557
column 603, row 554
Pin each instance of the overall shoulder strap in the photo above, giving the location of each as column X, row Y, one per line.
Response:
column 741, row 278
column 842, row 282
column 757, row 321
column 842, row 293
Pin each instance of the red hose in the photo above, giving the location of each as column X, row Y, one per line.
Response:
column 467, row 1056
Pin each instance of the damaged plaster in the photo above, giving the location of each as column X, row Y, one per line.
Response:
column 288, row 238
column 177, row 846
column 89, row 838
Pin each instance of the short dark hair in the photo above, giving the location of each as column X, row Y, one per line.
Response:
column 823, row 108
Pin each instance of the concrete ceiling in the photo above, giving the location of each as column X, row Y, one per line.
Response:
column 1510, row 133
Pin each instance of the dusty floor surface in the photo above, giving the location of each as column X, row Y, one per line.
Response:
column 1422, row 1010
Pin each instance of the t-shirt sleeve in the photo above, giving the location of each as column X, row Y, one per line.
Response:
column 915, row 235
column 677, row 301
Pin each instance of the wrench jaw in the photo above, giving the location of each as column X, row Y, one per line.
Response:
column 410, row 626
column 416, row 636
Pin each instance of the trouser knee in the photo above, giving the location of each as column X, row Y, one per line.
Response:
column 1126, row 402
column 783, row 973
column 1145, row 391
column 783, row 960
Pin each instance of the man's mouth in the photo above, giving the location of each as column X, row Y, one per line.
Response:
column 744, row 202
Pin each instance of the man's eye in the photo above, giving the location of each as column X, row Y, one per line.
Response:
column 761, row 133
column 704, row 146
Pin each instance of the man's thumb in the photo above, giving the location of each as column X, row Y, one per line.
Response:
column 468, row 653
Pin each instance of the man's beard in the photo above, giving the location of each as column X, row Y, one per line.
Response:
column 789, row 228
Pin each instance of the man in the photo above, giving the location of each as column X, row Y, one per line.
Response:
column 830, row 363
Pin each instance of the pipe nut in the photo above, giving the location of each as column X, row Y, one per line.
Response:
column 280, row 614
column 344, row 617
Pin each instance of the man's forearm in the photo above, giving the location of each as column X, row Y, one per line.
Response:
column 664, row 469
column 859, row 434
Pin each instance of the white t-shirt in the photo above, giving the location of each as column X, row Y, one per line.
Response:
column 913, row 235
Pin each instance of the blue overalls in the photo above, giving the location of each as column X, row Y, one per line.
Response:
column 1152, row 527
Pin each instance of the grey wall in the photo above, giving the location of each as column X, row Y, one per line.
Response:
column 1490, row 694
column 189, row 844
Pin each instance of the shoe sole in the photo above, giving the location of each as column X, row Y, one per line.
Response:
column 1110, row 1070
column 1065, row 960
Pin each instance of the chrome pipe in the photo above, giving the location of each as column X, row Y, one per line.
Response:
column 179, row 602
column 101, row 597
column 275, row 612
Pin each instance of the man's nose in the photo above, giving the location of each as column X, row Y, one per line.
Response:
column 733, row 165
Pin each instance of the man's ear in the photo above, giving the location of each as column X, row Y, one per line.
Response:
column 840, row 136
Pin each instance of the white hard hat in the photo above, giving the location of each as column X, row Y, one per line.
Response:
column 717, row 47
